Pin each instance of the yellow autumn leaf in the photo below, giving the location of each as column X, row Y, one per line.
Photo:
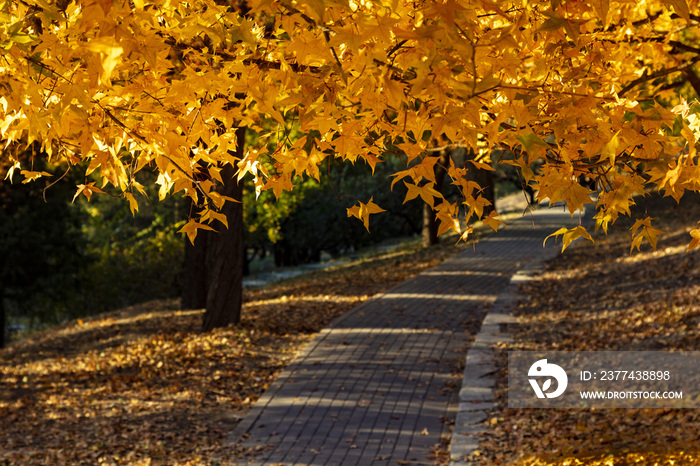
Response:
column 642, row 229
column 427, row 193
column 192, row 227
column 477, row 206
column 211, row 215
column 680, row 7
column 110, row 50
column 569, row 235
column 576, row 196
column 448, row 218
column 482, row 165
column 601, row 8
column 492, row 220
column 133, row 204
column 316, row 9
column 609, row 151
column 532, row 143
column 363, row 211
column 465, row 235
column 166, row 183
column 87, row 190
column 11, row 171
column 32, row 175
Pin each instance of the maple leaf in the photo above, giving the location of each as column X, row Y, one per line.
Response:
column 647, row 232
column 569, row 235
column 110, row 50
column 532, row 143
column 316, row 8
column 609, row 151
column 412, row 151
column 465, row 235
column 492, row 220
column 372, row 160
column 482, row 165
column 476, row 206
column 211, row 215
column 681, row 8
column 32, row 175
column 133, row 204
column 682, row 109
column 87, row 190
column 576, row 196
column 426, row 168
column 191, row 228
column 11, row 171
column 166, row 183
column 427, row 193
column 447, row 215
column 363, row 211
column 602, row 7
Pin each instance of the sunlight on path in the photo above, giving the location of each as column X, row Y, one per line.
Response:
column 381, row 384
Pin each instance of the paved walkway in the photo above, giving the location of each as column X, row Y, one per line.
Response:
column 381, row 384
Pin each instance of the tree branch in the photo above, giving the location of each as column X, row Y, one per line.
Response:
column 693, row 79
column 659, row 74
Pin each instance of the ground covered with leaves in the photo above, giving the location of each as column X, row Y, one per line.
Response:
column 144, row 386
column 600, row 297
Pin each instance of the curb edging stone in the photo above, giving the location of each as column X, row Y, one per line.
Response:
column 476, row 397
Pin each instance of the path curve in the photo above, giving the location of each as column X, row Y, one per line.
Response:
column 381, row 384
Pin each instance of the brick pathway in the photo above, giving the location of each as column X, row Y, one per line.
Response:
column 381, row 384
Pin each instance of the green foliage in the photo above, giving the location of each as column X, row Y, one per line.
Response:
column 311, row 218
column 39, row 248
column 63, row 260
column 132, row 258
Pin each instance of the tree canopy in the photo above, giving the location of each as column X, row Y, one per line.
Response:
column 598, row 89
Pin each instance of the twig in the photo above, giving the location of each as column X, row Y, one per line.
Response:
column 43, row 193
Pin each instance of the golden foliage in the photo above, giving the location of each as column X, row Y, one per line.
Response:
column 583, row 87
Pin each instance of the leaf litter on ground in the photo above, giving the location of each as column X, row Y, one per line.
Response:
column 143, row 386
column 598, row 297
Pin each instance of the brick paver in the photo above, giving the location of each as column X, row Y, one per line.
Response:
column 381, row 384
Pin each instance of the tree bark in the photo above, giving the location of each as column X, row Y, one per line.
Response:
column 225, row 254
column 194, row 280
column 2, row 321
column 430, row 227
column 486, row 181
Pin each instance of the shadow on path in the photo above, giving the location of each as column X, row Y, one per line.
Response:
column 381, row 384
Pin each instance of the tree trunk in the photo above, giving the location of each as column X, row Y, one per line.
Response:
column 2, row 321
column 194, row 280
column 430, row 226
column 486, row 181
column 225, row 254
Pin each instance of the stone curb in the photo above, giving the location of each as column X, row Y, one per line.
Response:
column 476, row 397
